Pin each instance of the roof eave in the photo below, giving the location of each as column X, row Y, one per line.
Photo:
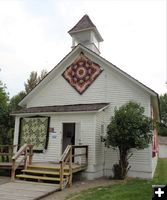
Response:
column 87, row 29
column 23, row 102
column 53, row 113
column 104, row 107
column 149, row 90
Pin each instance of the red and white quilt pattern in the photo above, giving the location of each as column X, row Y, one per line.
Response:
column 82, row 73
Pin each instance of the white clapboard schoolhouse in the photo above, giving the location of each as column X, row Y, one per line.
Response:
column 74, row 103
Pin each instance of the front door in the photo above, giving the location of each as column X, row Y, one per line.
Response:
column 68, row 135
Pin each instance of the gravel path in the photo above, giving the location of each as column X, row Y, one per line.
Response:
column 78, row 187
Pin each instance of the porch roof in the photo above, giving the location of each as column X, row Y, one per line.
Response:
column 63, row 108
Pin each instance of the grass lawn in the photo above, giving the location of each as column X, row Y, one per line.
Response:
column 128, row 190
column 160, row 176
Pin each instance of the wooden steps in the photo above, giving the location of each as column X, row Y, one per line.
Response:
column 24, row 176
column 47, row 166
column 35, row 166
column 43, row 173
column 50, row 172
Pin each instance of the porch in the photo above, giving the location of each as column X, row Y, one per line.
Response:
column 73, row 160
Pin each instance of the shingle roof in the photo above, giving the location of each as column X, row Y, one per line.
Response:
column 84, row 23
column 63, row 108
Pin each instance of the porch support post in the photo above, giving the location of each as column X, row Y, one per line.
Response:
column 70, row 168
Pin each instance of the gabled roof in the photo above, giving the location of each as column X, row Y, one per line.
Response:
column 85, row 23
column 63, row 108
column 81, row 48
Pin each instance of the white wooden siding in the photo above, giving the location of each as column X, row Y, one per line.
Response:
column 120, row 91
column 54, row 151
column 108, row 87
column 111, row 87
column 140, row 162
column 59, row 92
column 100, row 120
column 163, row 150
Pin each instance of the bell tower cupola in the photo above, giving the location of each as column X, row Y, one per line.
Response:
column 86, row 33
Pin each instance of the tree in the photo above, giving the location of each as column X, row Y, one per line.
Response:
column 42, row 75
column 33, row 80
column 4, row 114
column 13, row 105
column 5, row 126
column 129, row 128
column 162, row 126
column 3, row 104
column 14, row 101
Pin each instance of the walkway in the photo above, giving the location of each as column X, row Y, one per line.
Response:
column 21, row 190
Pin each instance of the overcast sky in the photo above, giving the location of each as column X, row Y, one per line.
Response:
column 33, row 36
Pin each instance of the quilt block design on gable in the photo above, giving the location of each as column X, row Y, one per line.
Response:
column 82, row 73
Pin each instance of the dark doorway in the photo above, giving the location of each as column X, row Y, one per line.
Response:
column 68, row 135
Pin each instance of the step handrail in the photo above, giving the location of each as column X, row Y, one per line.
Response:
column 82, row 154
column 65, row 153
column 27, row 151
column 66, row 159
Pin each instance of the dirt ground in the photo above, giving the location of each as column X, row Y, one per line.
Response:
column 78, row 186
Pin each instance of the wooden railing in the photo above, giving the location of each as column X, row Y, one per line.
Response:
column 26, row 151
column 6, row 152
column 67, row 159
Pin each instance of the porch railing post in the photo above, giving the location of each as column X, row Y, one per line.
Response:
column 30, row 155
column 61, row 175
column 13, row 170
column 86, row 155
column 25, row 159
column 67, row 159
column 70, row 168
column 22, row 151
